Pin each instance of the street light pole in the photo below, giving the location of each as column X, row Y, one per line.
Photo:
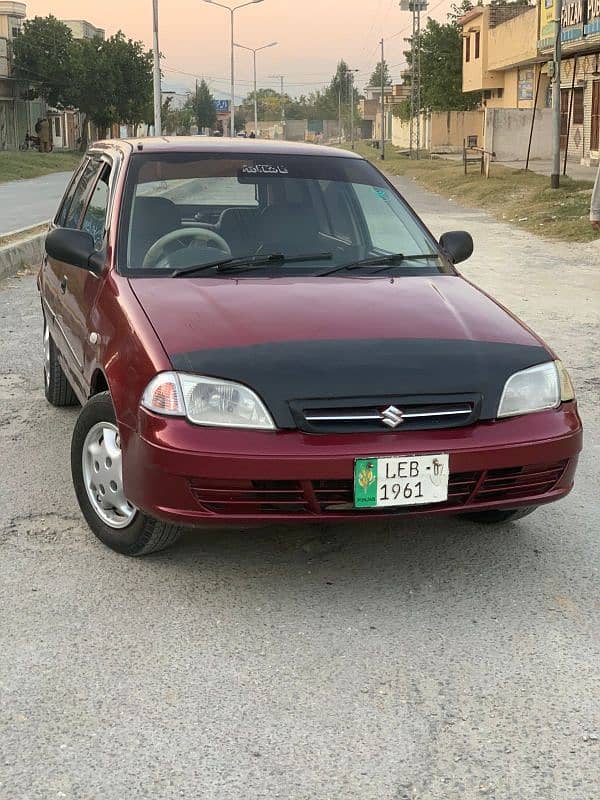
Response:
column 232, row 12
column 156, row 71
column 382, row 132
column 555, row 176
column 254, row 51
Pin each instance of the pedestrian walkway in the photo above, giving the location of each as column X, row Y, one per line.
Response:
column 30, row 202
column 578, row 172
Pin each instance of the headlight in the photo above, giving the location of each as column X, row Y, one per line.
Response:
column 206, row 401
column 536, row 389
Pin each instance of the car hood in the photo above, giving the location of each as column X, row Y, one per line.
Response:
column 328, row 338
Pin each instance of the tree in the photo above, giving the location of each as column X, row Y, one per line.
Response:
column 441, row 67
column 43, row 56
column 96, row 86
column 375, row 79
column 114, row 82
column 177, row 121
column 203, row 106
column 132, row 78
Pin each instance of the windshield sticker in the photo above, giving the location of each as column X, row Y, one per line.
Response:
column 381, row 193
column 264, row 169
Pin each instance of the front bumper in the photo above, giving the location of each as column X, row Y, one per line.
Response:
column 208, row 476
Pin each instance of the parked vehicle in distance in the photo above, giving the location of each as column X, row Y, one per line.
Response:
column 262, row 331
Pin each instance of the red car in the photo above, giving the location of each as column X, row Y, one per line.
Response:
column 261, row 331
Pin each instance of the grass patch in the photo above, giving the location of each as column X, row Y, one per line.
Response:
column 16, row 165
column 522, row 198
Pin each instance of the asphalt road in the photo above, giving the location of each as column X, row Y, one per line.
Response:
column 421, row 660
column 31, row 202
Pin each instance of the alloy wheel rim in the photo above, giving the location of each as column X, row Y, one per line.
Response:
column 46, row 354
column 102, row 463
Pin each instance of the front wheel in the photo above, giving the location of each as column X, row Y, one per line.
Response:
column 97, row 471
column 497, row 515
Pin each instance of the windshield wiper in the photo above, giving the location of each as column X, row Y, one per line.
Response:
column 389, row 260
column 274, row 258
column 250, row 262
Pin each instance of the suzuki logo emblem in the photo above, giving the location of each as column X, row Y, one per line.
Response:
column 392, row 417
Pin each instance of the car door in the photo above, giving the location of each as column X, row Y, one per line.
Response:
column 75, row 289
column 49, row 278
column 83, row 285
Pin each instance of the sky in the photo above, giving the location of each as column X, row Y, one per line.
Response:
column 312, row 36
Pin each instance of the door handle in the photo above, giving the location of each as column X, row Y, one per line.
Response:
column 63, row 284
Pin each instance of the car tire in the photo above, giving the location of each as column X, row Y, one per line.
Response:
column 57, row 388
column 97, row 478
column 498, row 515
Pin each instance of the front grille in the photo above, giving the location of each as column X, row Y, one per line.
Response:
column 306, row 498
column 379, row 415
column 516, row 482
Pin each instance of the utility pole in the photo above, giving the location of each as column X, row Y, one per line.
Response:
column 416, row 7
column 382, row 143
column 350, row 76
column 156, row 71
column 281, row 79
column 352, row 108
column 340, row 110
column 555, row 176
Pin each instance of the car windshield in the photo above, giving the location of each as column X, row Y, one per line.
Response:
column 285, row 214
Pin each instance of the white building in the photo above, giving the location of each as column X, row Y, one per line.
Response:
column 82, row 29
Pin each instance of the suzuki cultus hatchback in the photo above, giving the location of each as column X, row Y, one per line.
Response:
column 265, row 332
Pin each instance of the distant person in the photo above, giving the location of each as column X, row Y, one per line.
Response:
column 595, row 204
column 252, row 135
column 45, row 135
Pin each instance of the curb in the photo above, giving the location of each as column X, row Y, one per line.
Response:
column 18, row 255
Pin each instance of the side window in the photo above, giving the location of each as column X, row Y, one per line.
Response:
column 94, row 221
column 73, row 215
column 66, row 202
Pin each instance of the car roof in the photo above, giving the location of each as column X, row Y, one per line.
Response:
column 208, row 144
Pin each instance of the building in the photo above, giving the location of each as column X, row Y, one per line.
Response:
column 82, row 29
column 507, row 55
column 17, row 116
column 580, row 74
column 500, row 55
column 370, row 107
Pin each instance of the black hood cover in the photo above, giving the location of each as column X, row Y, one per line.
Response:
column 283, row 373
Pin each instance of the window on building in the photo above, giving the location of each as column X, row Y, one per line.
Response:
column 487, row 93
column 57, row 127
column 468, row 48
column 499, row 93
column 477, row 43
column 578, row 106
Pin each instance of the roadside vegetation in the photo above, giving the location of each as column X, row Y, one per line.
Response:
column 15, row 166
column 521, row 198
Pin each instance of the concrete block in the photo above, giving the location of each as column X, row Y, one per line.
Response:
column 23, row 253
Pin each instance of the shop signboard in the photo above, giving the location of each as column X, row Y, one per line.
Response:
column 593, row 18
column 572, row 19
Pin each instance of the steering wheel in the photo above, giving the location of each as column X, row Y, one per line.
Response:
column 158, row 255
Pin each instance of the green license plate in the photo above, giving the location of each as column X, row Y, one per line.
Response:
column 400, row 481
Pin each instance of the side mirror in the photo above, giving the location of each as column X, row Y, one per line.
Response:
column 458, row 245
column 74, row 247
